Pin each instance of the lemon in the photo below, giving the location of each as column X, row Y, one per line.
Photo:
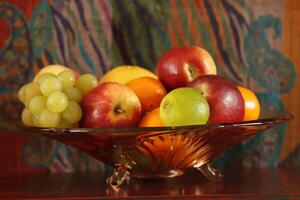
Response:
column 125, row 73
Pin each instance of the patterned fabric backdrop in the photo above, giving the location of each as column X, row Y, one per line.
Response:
column 254, row 43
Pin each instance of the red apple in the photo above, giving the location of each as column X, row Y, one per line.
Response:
column 178, row 67
column 110, row 105
column 224, row 98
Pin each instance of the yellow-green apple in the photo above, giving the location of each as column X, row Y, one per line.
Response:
column 125, row 73
column 178, row 67
column 224, row 98
column 184, row 106
column 110, row 105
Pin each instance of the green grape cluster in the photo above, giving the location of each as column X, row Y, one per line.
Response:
column 54, row 100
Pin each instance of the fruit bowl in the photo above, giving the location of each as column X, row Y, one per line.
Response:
column 159, row 152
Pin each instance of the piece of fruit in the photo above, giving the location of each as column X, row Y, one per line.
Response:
column 110, row 105
column 54, row 69
column 52, row 96
column 125, row 73
column 27, row 117
column 72, row 114
column 50, row 84
column 150, row 92
column 184, row 106
column 66, row 78
column 48, row 118
column 57, row 102
column 86, row 82
column 224, row 98
column 178, row 67
column 21, row 94
column 151, row 119
column 36, row 120
column 42, row 77
column 252, row 105
column 64, row 124
column 37, row 104
column 28, row 91
column 73, row 93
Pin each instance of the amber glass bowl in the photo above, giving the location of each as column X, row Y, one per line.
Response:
column 159, row 152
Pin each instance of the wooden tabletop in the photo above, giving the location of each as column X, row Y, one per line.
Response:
column 261, row 183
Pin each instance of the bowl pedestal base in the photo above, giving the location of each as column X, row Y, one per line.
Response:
column 122, row 174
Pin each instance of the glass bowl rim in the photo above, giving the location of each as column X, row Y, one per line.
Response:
column 135, row 131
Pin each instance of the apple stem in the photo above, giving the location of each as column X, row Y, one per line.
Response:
column 119, row 110
column 191, row 71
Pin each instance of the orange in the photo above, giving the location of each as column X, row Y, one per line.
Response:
column 151, row 119
column 252, row 105
column 150, row 92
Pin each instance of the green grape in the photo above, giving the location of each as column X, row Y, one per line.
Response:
column 50, row 84
column 29, row 91
column 21, row 94
column 86, row 82
column 73, row 113
column 42, row 77
column 37, row 104
column 64, row 124
column 49, row 119
column 36, row 120
column 66, row 78
column 73, row 94
column 57, row 102
column 26, row 117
